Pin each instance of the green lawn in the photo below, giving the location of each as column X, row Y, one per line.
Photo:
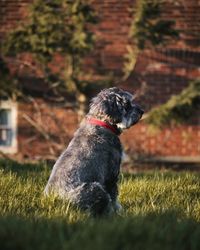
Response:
column 161, row 211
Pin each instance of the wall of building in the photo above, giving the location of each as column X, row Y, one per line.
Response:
column 158, row 74
column 44, row 130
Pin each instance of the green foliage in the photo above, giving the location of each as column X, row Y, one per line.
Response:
column 178, row 109
column 148, row 27
column 130, row 60
column 148, row 30
column 161, row 211
column 58, row 26
column 52, row 27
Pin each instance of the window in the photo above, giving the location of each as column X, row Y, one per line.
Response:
column 8, row 127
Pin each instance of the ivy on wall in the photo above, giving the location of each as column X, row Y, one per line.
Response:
column 54, row 26
column 148, row 30
column 60, row 26
column 178, row 109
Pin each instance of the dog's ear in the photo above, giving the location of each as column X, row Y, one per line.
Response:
column 108, row 106
column 115, row 109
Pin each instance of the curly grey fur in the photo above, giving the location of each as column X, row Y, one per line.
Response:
column 86, row 173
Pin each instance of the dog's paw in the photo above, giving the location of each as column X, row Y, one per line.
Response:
column 117, row 207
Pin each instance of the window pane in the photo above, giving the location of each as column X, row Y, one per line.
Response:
column 5, row 115
column 5, row 137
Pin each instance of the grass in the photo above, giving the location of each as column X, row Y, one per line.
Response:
column 161, row 211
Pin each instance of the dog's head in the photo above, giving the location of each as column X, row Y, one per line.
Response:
column 116, row 107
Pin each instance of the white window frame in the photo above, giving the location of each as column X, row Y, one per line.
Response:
column 12, row 106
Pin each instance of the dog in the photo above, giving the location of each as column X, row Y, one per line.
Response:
column 86, row 173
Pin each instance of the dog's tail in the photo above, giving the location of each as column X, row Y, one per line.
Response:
column 91, row 197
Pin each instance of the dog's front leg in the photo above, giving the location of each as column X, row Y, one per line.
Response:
column 117, row 207
column 112, row 189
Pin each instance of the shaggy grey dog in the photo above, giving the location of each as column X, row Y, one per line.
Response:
column 86, row 173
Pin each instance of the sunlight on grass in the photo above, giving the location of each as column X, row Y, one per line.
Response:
column 158, row 192
column 158, row 207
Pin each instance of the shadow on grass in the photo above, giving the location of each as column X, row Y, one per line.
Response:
column 154, row 231
column 27, row 169
column 23, row 169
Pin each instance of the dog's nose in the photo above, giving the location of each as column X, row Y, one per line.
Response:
column 139, row 109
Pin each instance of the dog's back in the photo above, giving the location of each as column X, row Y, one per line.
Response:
column 86, row 173
column 80, row 173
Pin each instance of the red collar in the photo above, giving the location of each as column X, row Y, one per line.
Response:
column 100, row 123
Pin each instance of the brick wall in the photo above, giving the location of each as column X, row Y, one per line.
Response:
column 158, row 74
column 44, row 129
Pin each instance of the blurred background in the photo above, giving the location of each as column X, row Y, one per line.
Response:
column 56, row 55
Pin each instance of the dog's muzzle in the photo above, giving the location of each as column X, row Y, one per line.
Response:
column 138, row 110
